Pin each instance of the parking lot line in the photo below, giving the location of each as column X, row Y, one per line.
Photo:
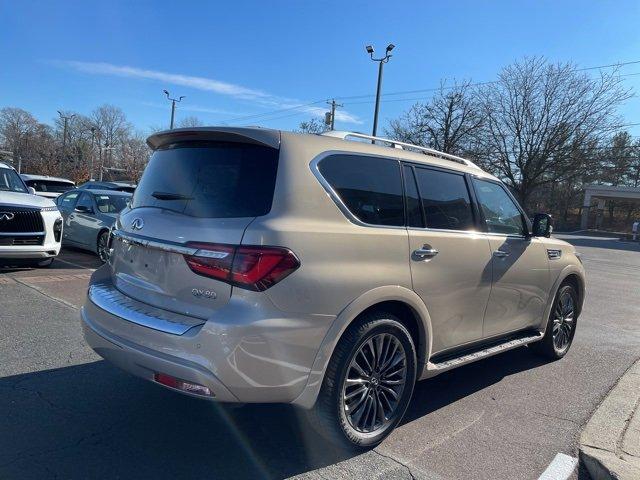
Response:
column 75, row 264
column 560, row 468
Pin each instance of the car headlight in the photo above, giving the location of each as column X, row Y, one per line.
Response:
column 49, row 209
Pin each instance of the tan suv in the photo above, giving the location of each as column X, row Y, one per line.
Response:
column 324, row 271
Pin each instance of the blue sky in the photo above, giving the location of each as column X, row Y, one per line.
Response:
column 243, row 58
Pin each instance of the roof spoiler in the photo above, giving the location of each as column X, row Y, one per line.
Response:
column 256, row 136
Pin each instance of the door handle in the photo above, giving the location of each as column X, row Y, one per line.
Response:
column 501, row 254
column 424, row 253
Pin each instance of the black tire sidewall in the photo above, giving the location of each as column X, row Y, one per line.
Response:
column 548, row 346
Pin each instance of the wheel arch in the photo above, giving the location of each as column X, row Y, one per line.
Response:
column 400, row 301
column 573, row 274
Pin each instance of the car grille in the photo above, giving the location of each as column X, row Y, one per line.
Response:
column 23, row 240
column 20, row 220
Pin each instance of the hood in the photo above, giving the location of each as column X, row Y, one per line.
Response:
column 24, row 200
column 553, row 242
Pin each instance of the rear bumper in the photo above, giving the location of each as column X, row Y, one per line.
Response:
column 247, row 352
column 144, row 363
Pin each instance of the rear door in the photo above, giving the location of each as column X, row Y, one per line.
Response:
column 520, row 263
column 191, row 193
column 450, row 259
column 84, row 223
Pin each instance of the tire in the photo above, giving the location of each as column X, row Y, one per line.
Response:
column 46, row 263
column 329, row 415
column 101, row 246
column 561, row 325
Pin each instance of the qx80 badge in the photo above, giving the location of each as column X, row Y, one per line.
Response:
column 203, row 293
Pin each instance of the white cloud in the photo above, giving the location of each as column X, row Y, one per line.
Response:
column 207, row 84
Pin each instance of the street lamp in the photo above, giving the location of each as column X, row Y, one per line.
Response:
column 381, row 61
column 173, row 106
column 65, row 118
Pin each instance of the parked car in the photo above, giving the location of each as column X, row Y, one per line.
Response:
column 129, row 187
column 30, row 226
column 256, row 265
column 46, row 186
column 88, row 216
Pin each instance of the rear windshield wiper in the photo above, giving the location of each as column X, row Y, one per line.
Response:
column 170, row 196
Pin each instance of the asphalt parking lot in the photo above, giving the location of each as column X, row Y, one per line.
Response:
column 65, row 413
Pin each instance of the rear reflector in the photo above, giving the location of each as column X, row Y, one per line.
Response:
column 183, row 385
column 252, row 267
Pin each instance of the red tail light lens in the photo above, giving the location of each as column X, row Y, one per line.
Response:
column 252, row 267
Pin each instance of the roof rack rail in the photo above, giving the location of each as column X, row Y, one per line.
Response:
column 401, row 145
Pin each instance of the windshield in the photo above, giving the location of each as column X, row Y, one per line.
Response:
column 213, row 180
column 111, row 203
column 10, row 181
column 51, row 186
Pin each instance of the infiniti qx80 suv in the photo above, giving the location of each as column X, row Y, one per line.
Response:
column 325, row 271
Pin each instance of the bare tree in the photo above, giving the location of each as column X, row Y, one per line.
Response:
column 541, row 116
column 448, row 122
column 16, row 126
column 314, row 125
column 188, row 122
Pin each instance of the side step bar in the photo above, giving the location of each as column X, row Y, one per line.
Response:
column 439, row 367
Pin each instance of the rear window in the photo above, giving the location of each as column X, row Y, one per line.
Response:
column 50, row 186
column 213, row 180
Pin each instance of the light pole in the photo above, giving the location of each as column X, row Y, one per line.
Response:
column 65, row 118
column 106, row 147
column 93, row 152
column 173, row 106
column 381, row 61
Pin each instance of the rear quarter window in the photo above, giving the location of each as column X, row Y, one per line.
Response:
column 213, row 180
column 370, row 187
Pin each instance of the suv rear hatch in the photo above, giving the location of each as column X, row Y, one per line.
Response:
column 201, row 187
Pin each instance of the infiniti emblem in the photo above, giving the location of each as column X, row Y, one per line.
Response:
column 137, row 224
column 7, row 216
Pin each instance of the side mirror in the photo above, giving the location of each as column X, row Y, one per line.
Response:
column 542, row 225
column 31, row 190
column 83, row 209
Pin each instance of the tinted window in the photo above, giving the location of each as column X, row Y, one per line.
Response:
column 500, row 212
column 414, row 214
column 85, row 201
column 49, row 186
column 445, row 199
column 215, row 180
column 10, row 181
column 68, row 200
column 111, row 203
column 370, row 187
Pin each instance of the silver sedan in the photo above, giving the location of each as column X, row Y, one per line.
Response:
column 88, row 216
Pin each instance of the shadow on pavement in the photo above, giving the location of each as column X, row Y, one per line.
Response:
column 93, row 421
column 601, row 242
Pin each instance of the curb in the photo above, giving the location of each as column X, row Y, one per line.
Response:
column 610, row 442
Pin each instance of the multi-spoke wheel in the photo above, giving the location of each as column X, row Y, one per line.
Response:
column 103, row 247
column 374, row 383
column 562, row 324
column 368, row 383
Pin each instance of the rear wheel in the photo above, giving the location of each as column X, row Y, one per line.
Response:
column 368, row 383
column 103, row 246
column 561, row 326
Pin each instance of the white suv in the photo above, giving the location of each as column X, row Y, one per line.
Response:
column 30, row 226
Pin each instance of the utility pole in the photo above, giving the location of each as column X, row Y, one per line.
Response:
column 381, row 61
column 333, row 112
column 65, row 118
column 93, row 151
column 173, row 106
column 106, row 147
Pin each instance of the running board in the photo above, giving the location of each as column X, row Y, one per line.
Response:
column 435, row 368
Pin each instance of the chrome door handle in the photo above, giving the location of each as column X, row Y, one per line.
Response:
column 423, row 253
column 501, row 254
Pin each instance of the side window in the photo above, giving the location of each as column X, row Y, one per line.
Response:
column 500, row 212
column 85, row 201
column 68, row 200
column 414, row 212
column 445, row 199
column 370, row 187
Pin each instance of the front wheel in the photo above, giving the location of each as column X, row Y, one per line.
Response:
column 103, row 246
column 368, row 383
column 561, row 326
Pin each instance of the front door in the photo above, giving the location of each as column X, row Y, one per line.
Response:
column 450, row 260
column 520, row 263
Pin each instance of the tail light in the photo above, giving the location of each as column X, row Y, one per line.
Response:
column 247, row 266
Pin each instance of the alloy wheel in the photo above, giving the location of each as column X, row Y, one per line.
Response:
column 563, row 321
column 103, row 251
column 374, row 383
